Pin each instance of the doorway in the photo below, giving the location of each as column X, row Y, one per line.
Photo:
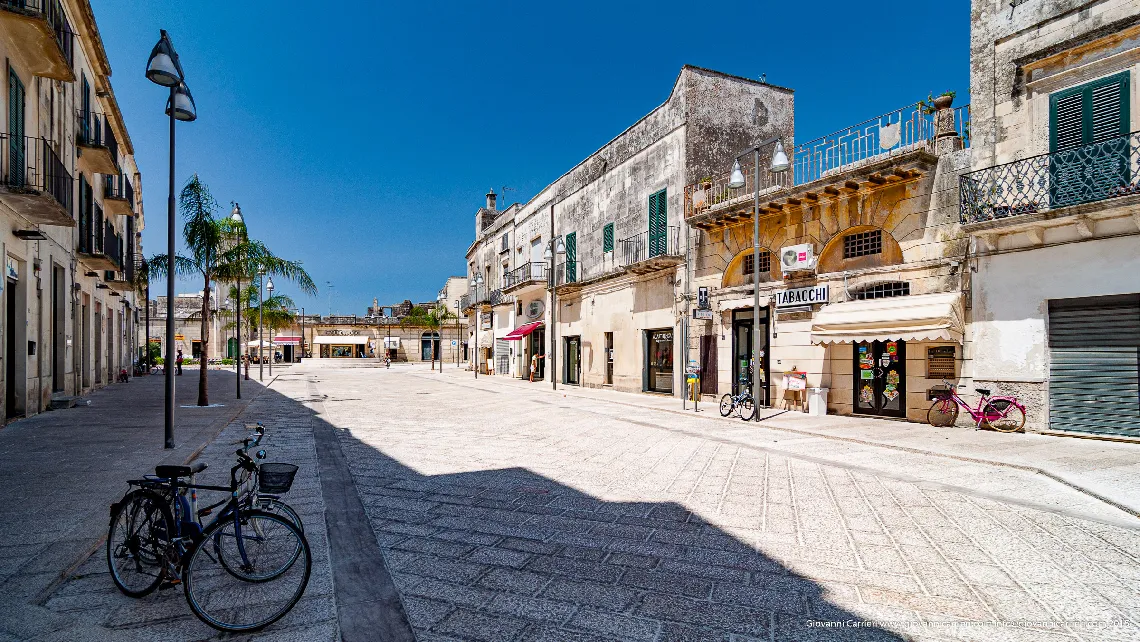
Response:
column 10, row 350
column 429, row 346
column 742, row 354
column 85, row 345
column 58, row 305
column 609, row 358
column 880, row 378
column 537, row 348
column 660, row 360
column 572, row 374
column 98, row 332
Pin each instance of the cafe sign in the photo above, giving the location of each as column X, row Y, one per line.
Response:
column 798, row 297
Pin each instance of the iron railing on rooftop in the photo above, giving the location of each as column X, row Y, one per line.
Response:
column 645, row 246
column 533, row 271
column 28, row 163
column 1097, row 172
column 916, row 126
column 52, row 13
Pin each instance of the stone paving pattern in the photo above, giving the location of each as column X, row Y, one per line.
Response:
column 507, row 516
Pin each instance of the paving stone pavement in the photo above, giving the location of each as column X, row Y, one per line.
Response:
column 89, row 594
column 511, row 516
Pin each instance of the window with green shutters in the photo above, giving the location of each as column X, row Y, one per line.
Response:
column 1088, row 142
column 658, row 224
column 16, row 151
column 571, row 257
column 608, row 238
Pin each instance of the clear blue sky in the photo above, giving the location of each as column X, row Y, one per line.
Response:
column 360, row 137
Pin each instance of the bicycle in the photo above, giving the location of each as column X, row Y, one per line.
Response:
column 245, row 557
column 1003, row 413
column 743, row 403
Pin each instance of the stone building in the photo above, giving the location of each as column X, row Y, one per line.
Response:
column 622, row 285
column 1052, row 206
column 858, row 269
column 188, row 327
column 70, row 193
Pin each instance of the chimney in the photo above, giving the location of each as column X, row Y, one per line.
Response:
column 491, row 199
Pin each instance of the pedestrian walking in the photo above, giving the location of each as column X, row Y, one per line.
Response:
column 534, row 365
column 178, row 364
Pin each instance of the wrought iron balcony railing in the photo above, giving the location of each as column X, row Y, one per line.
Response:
column 916, row 126
column 30, row 164
column 525, row 273
column 118, row 187
column 1087, row 174
column 496, row 297
column 93, row 130
column 645, row 246
column 567, row 272
column 465, row 301
column 51, row 11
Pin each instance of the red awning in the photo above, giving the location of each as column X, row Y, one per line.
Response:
column 521, row 331
column 287, row 341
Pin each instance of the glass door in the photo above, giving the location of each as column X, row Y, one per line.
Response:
column 573, row 370
column 660, row 364
column 880, row 378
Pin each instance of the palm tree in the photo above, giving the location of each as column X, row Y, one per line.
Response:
column 433, row 319
column 219, row 250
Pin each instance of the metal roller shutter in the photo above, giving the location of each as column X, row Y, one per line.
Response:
column 1094, row 370
column 502, row 356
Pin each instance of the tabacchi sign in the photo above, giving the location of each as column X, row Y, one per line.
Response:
column 801, row 296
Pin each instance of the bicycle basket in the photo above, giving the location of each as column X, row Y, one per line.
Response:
column 275, row 479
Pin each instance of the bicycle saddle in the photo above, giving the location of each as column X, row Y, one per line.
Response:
column 982, row 391
column 171, row 472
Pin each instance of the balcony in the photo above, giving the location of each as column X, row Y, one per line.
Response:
column 118, row 281
column 100, row 248
column 645, row 252
column 118, row 196
column 40, row 36
column 524, row 276
column 876, row 151
column 498, row 297
column 95, row 140
column 34, row 182
column 1048, row 186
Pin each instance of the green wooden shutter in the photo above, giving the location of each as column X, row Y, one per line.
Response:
column 16, row 157
column 608, row 238
column 571, row 257
column 1088, row 141
column 658, row 224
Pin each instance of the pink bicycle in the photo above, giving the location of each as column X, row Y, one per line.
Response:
column 1003, row 413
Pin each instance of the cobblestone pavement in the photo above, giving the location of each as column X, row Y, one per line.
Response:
column 506, row 515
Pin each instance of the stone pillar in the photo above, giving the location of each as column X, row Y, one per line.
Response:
column 946, row 137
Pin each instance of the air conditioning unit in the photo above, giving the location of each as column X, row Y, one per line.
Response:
column 798, row 257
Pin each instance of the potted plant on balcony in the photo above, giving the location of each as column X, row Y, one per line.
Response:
column 706, row 183
column 933, row 104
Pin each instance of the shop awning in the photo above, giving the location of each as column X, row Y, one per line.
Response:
column 342, row 341
column 391, row 342
column 925, row 317
column 287, row 341
column 518, row 333
column 255, row 343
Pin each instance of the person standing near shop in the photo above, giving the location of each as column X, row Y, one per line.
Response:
column 178, row 364
column 534, row 365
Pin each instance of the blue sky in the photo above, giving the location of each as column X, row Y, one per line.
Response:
column 360, row 137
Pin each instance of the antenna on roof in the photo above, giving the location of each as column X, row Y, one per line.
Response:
column 764, row 79
column 504, row 190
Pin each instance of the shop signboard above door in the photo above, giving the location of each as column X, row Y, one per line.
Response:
column 797, row 297
column 702, row 314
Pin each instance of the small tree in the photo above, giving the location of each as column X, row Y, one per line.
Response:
column 433, row 319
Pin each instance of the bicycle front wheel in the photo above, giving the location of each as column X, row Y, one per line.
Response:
column 944, row 412
column 278, row 507
column 246, row 574
column 747, row 408
column 137, row 542
column 726, row 405
column 1003, row 416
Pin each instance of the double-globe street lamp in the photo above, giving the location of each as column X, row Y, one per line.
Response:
column 559, row 251
column 263, row 285
column 164, row 69
column 778, row 164
column 475, row 283
column 239, row 228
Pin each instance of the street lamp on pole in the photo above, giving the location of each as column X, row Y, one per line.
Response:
column 778, row 164
column 260, row 324
column 272, row 349
column 239, row 225
column 475, row 283
column 559, row 250
column 458, row 339
column 163, row 68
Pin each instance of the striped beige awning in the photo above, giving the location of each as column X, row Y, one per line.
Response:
column 924, row 317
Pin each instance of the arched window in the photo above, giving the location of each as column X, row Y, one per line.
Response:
column 882, row 290
column 429, row 346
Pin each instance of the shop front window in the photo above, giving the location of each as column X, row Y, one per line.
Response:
column 660, row 364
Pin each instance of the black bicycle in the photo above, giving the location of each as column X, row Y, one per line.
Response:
column 241, row 572
column 741, row 403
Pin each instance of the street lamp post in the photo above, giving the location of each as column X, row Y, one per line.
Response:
column 441, row 310
column 146, row 294
column 163, row 68
column 557, row 248
column 302, row 346
column 475, row 283
column 260, row 324
column 238, row 220
column 272, row 350
column 779, row 163
column 458, row 339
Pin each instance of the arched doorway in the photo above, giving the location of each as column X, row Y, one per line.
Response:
column 232, row 348
column 429, row 346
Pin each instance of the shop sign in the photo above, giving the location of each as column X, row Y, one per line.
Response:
column 703, row 314
column 703, row 299
column 11, row 268
column 802, row 296
column 534, row 309
column 663, row 337
column 179, row 337
column 342, row 333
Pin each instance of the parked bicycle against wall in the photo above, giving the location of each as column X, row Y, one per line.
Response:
column 1003, row 413
column 742, row 402
column 242, row 571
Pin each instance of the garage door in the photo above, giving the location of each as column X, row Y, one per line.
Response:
column 1094, row 369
